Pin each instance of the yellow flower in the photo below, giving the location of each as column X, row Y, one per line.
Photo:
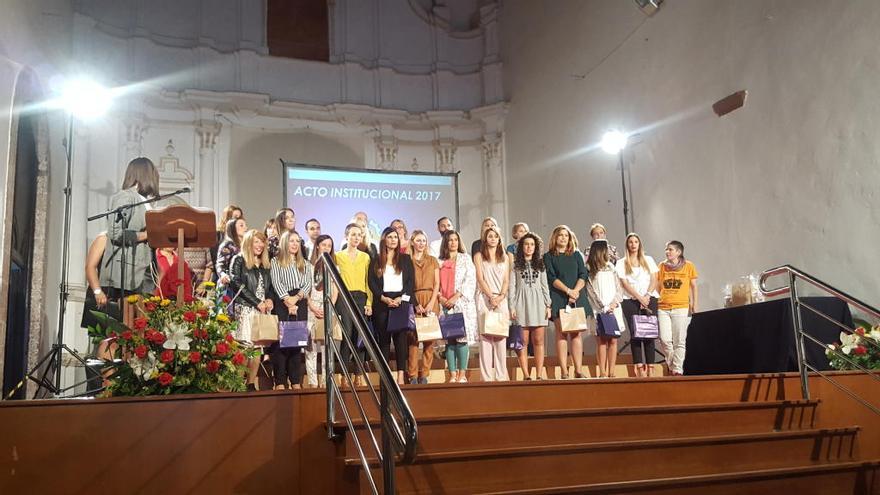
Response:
column 165, row 302
column 209, row 284
column 133, row 298
column 222, row 317
column 155, row 299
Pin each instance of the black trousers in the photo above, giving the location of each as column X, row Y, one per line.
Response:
column 288, row 363
column 360, row 300
column 642, row 349
column 380, row 323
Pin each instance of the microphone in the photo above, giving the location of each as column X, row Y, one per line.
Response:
column 182, row 191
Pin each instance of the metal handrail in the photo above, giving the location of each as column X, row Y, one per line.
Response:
column 794, row 275
column 397, row 422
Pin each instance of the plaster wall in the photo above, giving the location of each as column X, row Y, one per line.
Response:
column 790, row 178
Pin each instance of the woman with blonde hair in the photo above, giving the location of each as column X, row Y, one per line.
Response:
column 427, row 292
column 478, row 244
column 292, row 282
column 251, row 281
column 567, row 277
column 638, row 276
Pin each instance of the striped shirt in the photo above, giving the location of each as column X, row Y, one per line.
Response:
column 289, row 281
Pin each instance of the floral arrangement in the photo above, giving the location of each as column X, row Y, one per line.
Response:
column 173, row 349
column 861, row 347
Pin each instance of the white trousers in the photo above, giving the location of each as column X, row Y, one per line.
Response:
column 493, row 354
column 312, row 361
column 673, row 334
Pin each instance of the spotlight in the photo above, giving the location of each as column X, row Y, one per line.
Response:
column 613, row 142
column 85, row 99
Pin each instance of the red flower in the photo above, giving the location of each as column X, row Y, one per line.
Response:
column 149, row 307
column 112, row 335
column 158, row 338
column 238, row 359
column 860, row 350
column 221, row 349
column 189, row 316
column 167, row 356
column 188, row 298
column 229, row 338
column 140, row 323
column 213, row 366
column 165, row 379
column 203, row 313
column 226, row 299
column 140, row 351
column 860, row 331
column 195, row 357
column 126, row 335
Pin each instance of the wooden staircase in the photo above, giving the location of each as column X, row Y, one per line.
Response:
column 658, row 435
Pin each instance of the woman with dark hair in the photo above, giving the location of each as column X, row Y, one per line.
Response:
column 402, row 233
column 323, row 244
column 391, row 281
column 284, row 221
column 231, row 245
column 458, row 284
column 677, row 303
column 638, row 276
column 529, row 300
column 605, row 293
column 127, row 232
column 567, row 277
column 493, row 280
column 251, row 280
column 292, row 281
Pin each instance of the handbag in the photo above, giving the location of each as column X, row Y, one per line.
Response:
column 401, row 318
column 293, row 334
column 318, row 329
column 452, row 325
column 572, row 319
column 370, row 329
column 606, row 325
column 495, row 323
column 264, row 328
column 645, row 326
column 428, row 328
column 515, row 337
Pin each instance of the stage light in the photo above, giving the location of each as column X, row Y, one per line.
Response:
column 613, row 141
column 85, row 99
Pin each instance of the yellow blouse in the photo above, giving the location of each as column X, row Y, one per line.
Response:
column 354, row 273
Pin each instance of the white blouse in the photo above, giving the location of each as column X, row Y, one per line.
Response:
column 639, row 279
column 392, row 282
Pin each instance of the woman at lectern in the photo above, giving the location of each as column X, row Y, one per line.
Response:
column 391, row 280
column 127, row 231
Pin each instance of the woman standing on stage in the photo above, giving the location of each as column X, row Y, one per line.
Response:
column 127, row 232
column 458, row 283
column 323, row 244
column 354, row 267
column 292, row 281
column 567, row 277
column 638, row 276
column 605, row 293
column 391, row 281
column 284, row 221
column 493, row 281
column 477, row 245
column 249, row 277
column 231, row 245
column 677, row 303
column 403, row 234
column 427, row 292
column 529, row 300
column 519, row 229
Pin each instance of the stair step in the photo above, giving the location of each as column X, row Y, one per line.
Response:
column 546, row 466
column 562, row 426
column 857, row 477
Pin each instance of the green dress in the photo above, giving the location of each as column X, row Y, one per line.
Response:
column 567, row 268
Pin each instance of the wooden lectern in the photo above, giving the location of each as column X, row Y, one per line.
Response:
column 181, row 226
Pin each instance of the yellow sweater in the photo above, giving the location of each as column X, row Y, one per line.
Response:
column 354, row 273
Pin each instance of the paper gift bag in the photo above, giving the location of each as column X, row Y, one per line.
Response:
column 401, row 318
column 452, row 325
column 264, row 328
column 606, row 325
column 572, row 319
column 515, row 338
column 495, row 323
column 645, row 327
column 428, row 328
column 318, row 329
column 293, row 334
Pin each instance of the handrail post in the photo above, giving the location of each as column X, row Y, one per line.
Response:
column 388, row 481
column 798, row 334
column 328, row 352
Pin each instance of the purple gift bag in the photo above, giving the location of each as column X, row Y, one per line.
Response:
column 645, row 327
column 293, row 334
column 401, row 318
column 515, row 338
column 452, row 325
column 606, row 325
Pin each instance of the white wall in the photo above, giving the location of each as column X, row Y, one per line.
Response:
column 789, row 178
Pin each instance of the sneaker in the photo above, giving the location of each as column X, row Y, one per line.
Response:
column 462, row 379
column 413, row 381
column 423, row 380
